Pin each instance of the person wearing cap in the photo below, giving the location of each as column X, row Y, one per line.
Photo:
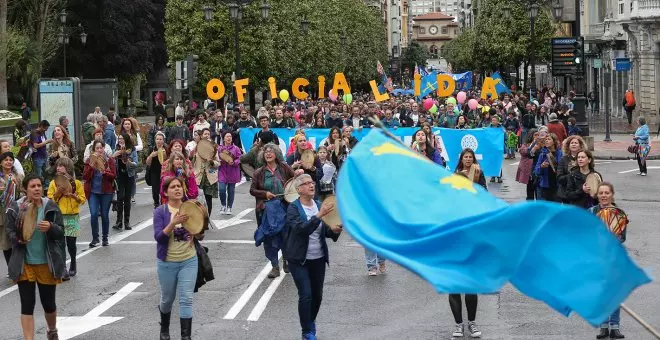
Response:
column 178, row 131
column 39, row 142
column 556, row 127
column 10, row 185
column 307, row 250
column 18, row 167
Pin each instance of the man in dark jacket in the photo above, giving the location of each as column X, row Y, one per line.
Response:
column 179, row 131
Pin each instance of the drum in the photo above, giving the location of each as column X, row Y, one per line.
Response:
column 198, row 216
column 206, row 149
column 332, row 218
column 248, row 169
column 593, row 180
column 614, row 218
column 227, row 157
column 64, row 181
column 290, row 192
column 96, row 161
column 307, row 158
column 28, row 224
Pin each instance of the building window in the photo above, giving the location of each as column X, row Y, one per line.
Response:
column 444, row 30
column 422, row 30
column 621, row 7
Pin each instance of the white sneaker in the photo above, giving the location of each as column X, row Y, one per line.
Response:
column 222, row 210
column 643, row 173
column 228, row 211
column 474, row 331
column 458, row 331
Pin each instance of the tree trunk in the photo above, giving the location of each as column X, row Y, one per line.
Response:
column 3, row 54
column 43, row 13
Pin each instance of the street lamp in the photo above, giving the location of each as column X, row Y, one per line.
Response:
column 304, row 25
column 65, row 33
column 533, row 12
column 557, row 10
column 236, row 14
column 506, row 12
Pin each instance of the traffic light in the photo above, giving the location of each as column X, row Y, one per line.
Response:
column 191, row 68
column 579, row 53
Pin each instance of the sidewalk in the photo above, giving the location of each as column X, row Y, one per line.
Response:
column 618, row 148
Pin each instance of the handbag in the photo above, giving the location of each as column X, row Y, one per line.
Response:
column 204, row 266
column 147, row 175
column 633, row 148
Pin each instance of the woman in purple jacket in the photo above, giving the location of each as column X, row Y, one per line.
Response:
column 177, row 259
column 228, row 173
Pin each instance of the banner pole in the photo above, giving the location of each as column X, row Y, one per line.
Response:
column 641, row 321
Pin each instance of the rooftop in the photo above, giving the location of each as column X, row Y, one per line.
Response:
column 434, row 16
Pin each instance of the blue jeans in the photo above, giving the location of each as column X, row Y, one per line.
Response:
column 613, row 320
column 180, row 276
column 227, row 193
column 99, row 204
column 373, row 259
column 39, row 167
column 309, row 279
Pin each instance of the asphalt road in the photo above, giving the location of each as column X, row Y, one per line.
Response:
column 241, row 303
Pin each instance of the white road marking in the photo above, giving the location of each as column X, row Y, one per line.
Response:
column 112, row 240
column 205, row 241
column 243, row 300
column 516, row 163
column 236, row 219
column 114, row 299
column 605, row 162
column 261, row 305
column 633, row 170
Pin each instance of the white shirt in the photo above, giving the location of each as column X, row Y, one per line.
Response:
column 88, row 151
column 179, row 111
column 314, row 250
column 201, row 126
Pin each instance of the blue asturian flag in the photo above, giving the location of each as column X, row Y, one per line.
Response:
column 500, row 86
column 429, row 84
column 461, row 239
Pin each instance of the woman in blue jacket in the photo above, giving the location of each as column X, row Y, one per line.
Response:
column 641, row 138
column 307, row 251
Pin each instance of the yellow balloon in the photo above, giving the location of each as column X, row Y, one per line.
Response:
column 284, row 95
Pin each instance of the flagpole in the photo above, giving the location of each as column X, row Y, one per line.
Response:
column 379, row 124
column 641, row 321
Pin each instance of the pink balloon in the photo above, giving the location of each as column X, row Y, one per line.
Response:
column 428, row 103
column 461, row 97
column 332, row 95
column 472, row 104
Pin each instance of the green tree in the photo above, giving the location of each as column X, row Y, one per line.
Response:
column 496, row 43
column 414, row 54
column 277, row 47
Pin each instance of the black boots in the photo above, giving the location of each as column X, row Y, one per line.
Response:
column 72, row 267
column 186, row 328
column 604, row 333
column 615, row 334
column 164, row 325
column 127, row 217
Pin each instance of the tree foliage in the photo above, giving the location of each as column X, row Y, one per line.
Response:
column 414, row 54
column 277, row 47
column 496, row 43
column 124, row 38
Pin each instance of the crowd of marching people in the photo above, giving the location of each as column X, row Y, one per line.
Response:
column 199, row 156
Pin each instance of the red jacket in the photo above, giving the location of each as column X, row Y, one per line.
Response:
column 108, row 177
column 558, row 129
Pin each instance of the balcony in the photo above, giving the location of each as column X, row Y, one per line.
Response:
column 594, row 32
column 645, row 9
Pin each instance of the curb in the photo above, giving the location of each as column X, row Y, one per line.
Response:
column 624, row 158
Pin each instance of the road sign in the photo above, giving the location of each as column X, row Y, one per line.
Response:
column 72, row 326
column 541, row 68
column 622, row 64
column 598, row 63
column 567, row 56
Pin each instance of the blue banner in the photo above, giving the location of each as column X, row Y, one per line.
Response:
column 488, row 144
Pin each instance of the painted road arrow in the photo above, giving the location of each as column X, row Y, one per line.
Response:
column 72, row 326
